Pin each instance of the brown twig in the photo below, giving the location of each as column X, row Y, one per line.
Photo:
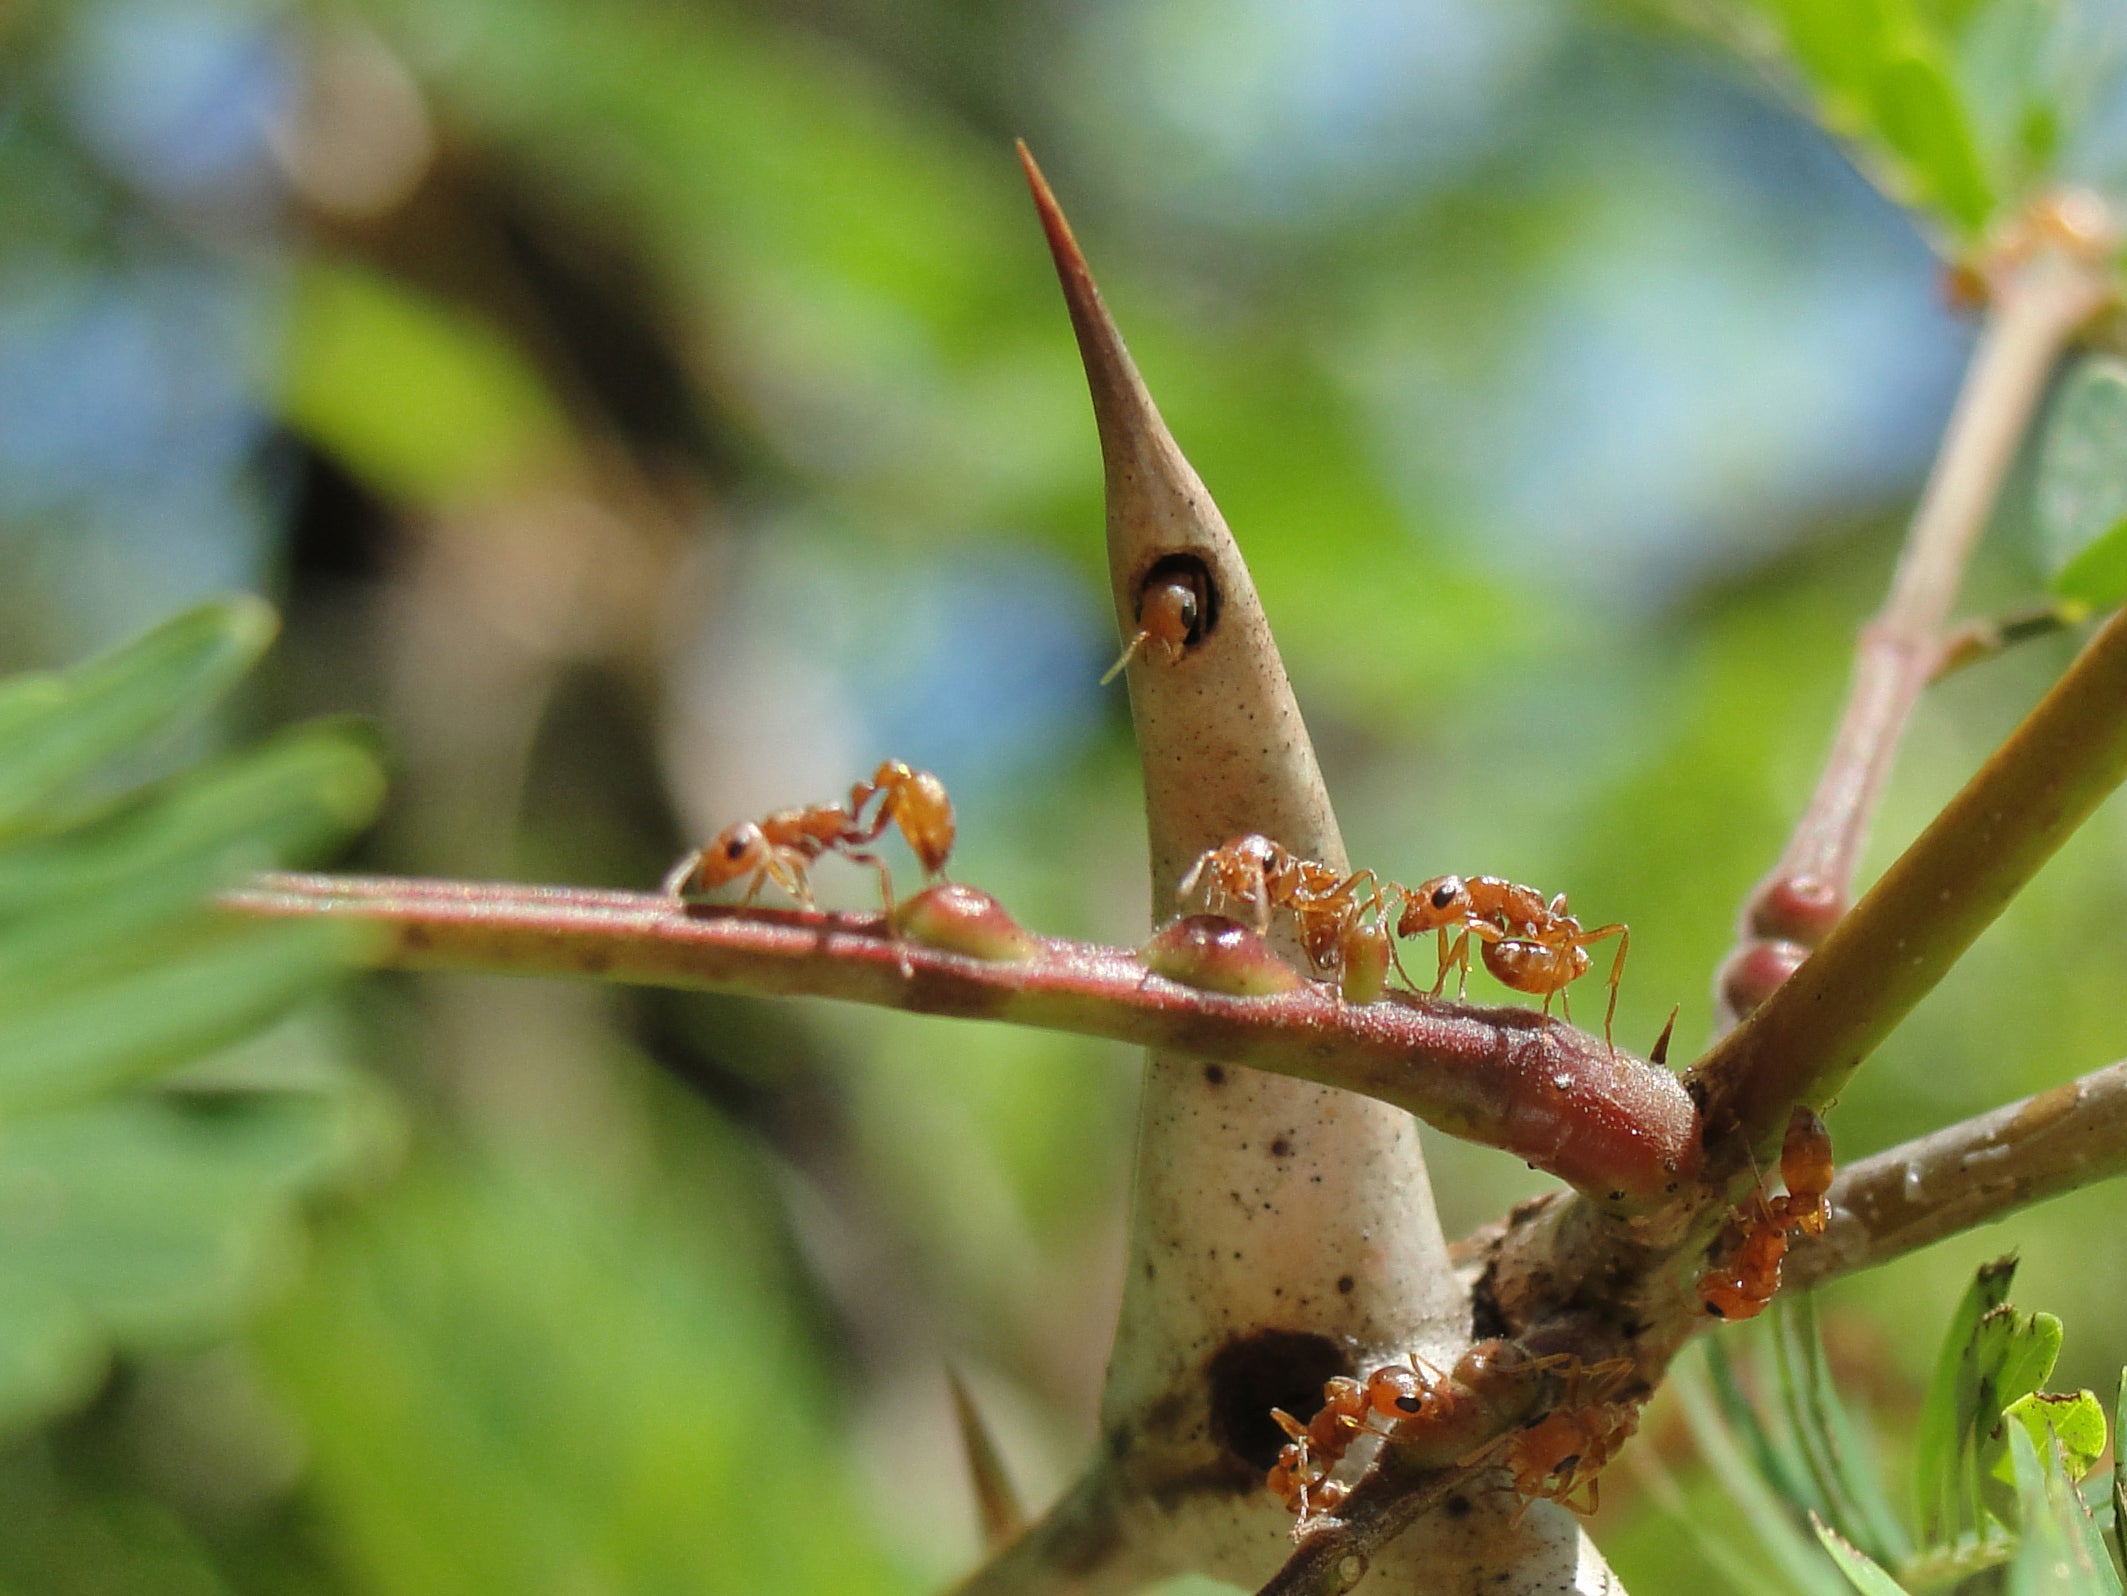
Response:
column 1968, row 1174
column 1607, row 1123
column 2040, row 302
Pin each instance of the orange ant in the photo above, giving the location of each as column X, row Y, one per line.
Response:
column 1561, row 1454
column 781, row 846
column 1170, row 616
column 1529, row 945
column 1350, row 1408
column 1329, row 908
column 1754, row 1241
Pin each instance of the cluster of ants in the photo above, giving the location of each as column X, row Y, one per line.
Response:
column 1559, row 1455
column 1529, row 943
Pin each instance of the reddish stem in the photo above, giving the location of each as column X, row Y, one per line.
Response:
column 1610, row 1124
column 2040, row 302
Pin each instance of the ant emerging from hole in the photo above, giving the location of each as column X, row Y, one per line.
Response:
column 1413, row 1389
column 1529, row 945
column 1558, row 1456
column 1330, row 909
column 1754, row 1241
column 782, row 846
column 1172, row 609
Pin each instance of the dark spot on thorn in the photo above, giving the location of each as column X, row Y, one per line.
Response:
column 1281, row 1148
column 1345, row 1284
column 1457, row 1507
column 1149, row 1270
column 1215, row 1074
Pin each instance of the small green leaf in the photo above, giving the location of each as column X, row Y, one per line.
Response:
column 1944, row 1436
column 64, row 1045
column 57, row 727
column 1837, row 43
column 2076, row 1420
column 2027, row 1361
column 1861, row 1570
column 2082, row 484
column 1999, row 69
column 1916, row 110
column 2119, row 1473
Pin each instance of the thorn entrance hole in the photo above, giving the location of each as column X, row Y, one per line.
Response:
column 1267, row 1369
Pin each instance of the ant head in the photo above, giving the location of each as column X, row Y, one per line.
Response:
column 1177, row 606
column 1397, row 1392
column 734, row 852
column 1444, row 900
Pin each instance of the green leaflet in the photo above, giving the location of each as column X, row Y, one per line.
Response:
column 1861, row 1571
column 148, row 1210
column 2082, row 484
column 2060, row 1553
column 58, row 727
column 1942, row 1478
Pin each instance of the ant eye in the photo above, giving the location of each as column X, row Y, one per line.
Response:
column 1443, row 896
column 735, row 849
column 1410, row 1403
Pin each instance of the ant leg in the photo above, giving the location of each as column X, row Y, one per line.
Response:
column 675, row 882
column 1440, row 981
column 886, row 881
column 1617, row 969
column 788, row 867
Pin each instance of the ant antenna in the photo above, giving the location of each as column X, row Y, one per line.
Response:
column 1143, row 637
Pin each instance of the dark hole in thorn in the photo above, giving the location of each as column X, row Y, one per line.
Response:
column 1269, row 1369
column 1194, row 574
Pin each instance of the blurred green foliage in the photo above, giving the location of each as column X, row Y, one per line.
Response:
column 148, row 1185
column 653, row 413
column 1994, row 1462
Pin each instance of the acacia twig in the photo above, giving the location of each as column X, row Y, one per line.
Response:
column 1969, row 1174
column 2040, row 301
column 1616, row 1123
column 1913, row 924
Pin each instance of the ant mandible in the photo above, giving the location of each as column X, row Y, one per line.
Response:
column 782, row 845
column 1754, row 1241
column 1528, row 944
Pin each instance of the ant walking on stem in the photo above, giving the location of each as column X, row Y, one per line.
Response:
column 782, row 846
column 1529, row 945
